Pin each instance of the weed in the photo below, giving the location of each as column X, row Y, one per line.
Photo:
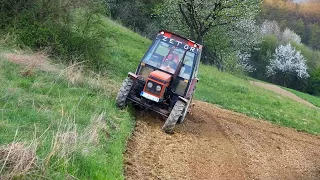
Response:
column 17, row 159
column 74, row 73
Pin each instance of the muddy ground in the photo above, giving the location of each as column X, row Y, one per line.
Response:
column 214, row 143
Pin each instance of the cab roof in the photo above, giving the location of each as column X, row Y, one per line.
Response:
column 178, row 37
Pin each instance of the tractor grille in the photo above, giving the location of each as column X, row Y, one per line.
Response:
column 153, row 88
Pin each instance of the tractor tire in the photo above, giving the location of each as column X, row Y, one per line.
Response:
column 171, row 121
column 185, row 112
column 121, row 100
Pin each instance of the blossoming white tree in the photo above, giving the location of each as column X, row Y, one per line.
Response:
column 270, row 28
column 244, row 36
column 289, row 35
column 244, row 62
column 286, row 60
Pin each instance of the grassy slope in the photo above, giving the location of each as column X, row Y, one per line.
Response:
column 220, row 88
column 37, row 101
column 239, row 95
column 312, row 99
column 31, row 104
column 125, row 49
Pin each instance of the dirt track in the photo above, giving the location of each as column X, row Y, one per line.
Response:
column 282, row 92
column 219, row 144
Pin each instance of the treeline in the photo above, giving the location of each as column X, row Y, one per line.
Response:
column 300, row 24
column 138, row 15
column 302, row 18
column 266, row 53
column 65, row 28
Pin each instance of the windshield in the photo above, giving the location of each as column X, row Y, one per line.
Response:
column 166, row 57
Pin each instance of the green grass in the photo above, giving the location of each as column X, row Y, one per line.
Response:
column 239, row 95
column 42, row 102
column 32, row 104
column 124, row 50
column 216, row 87
column 127, row 48
column 312, row 99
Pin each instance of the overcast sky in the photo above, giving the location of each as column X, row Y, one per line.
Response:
column 300, row 0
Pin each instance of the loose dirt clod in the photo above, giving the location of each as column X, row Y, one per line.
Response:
column 215, row 143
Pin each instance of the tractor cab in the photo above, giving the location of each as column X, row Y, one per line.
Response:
column 165, row 78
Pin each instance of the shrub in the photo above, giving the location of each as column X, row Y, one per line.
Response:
column 64, row 28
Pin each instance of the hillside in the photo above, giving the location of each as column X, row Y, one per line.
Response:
column 127, row 48
column 52, row 114
column 57, row 122
column 215, row 87
column 303, row 18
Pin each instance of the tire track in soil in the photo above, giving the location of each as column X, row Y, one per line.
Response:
column 215, row 143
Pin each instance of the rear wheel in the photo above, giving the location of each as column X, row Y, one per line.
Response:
column 123, row 93
column 174, row 117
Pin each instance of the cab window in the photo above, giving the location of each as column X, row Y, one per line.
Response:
column 162, row 51
column 186, row 70
column 157, row 53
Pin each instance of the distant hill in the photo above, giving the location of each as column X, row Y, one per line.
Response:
column 303, row 18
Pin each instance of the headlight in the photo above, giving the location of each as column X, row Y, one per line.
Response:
column 149, row 84
column 158, row 88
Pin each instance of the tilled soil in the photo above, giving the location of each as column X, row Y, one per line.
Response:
column 214, row 143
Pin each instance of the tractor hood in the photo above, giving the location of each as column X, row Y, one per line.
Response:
column 160, row 76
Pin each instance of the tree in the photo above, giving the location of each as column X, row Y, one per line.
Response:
column 197, row 17
column 213, row 23
column 244, row 62
column 245, row 35
column 260, row 58
column 314, row 36
column 270, row 28
column 299, row 28
column 286, row 60
column 314, row 82
column 230, row 40
column 290, row 36
column 298, row 17
column 137, row 15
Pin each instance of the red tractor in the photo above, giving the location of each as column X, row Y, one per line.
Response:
column 165, row 79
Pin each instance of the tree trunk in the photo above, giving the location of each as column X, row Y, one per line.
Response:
column 199, row 40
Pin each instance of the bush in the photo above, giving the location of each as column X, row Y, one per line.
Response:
column 314, row 82
column 65, row 29
column 260, row 58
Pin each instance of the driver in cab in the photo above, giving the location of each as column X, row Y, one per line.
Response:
column 170, row 64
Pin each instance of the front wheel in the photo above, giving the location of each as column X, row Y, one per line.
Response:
column 123, row 93
column 174, row 116
column 185, row 111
